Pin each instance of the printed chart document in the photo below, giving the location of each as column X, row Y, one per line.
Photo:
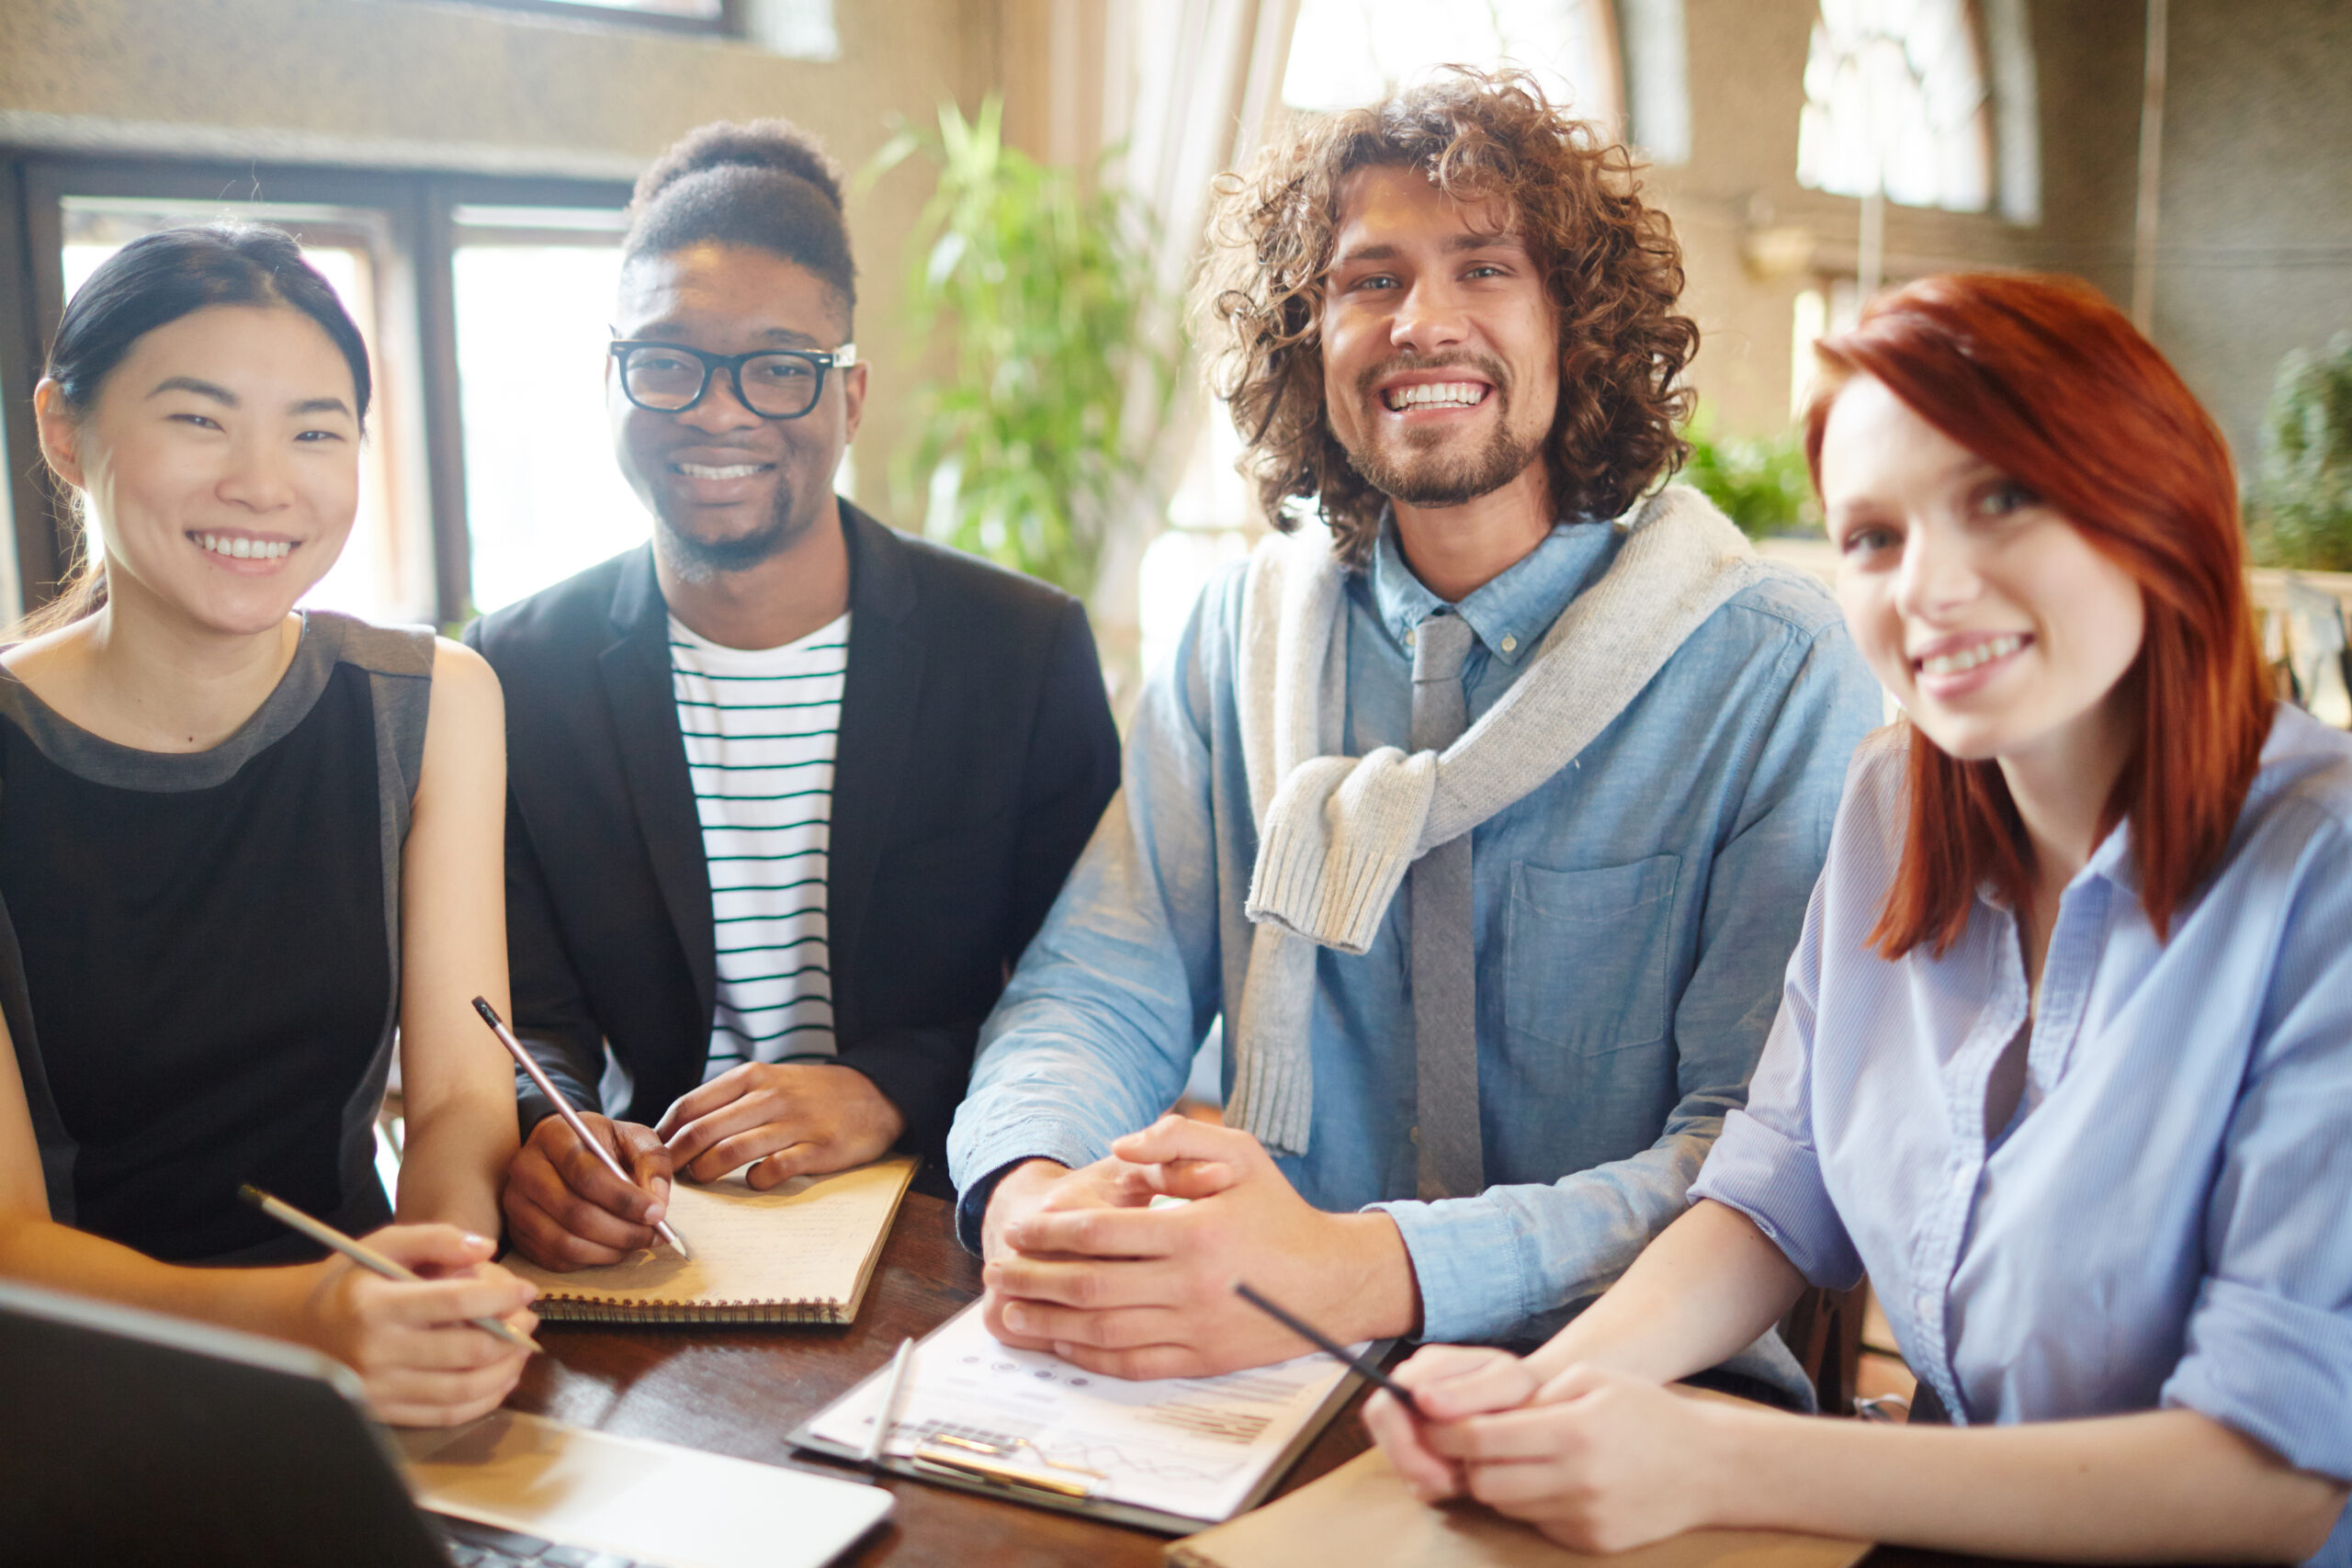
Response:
column 799, row 1252
column 1171, row 1454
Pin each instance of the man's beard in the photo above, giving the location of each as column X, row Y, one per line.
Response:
column 1440, row 479
column 701, row 560
column 1436, row 477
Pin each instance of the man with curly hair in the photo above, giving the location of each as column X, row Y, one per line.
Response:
column 1482, row 811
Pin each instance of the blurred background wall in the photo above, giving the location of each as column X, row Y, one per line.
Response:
column 2252, row 253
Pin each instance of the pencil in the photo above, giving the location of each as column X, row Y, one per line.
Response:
column 1329, row 1347
column 563, row 1108
column 368, row 1258
column 886, row 1418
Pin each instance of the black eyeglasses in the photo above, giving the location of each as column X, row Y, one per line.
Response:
column 774, row 383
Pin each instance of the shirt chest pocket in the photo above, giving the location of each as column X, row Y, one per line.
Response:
column 1584, row 954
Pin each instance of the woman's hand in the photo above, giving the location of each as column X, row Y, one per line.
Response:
column 422, row 1364
column 1600, row 1462
column 1449, row 1382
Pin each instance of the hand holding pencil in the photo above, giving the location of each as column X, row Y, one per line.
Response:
column 569, row 1200
column 437, row 1332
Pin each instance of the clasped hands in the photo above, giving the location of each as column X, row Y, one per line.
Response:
column 1078, row 1263
column 783, row 1119
column 1598, row 1460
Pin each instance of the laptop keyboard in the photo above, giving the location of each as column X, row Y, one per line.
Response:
column 486, row 1545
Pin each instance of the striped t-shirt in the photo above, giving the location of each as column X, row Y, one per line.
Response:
column 760, row 726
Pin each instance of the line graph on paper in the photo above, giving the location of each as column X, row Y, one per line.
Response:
column 1193, row 1446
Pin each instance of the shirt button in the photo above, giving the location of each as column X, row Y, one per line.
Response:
column 1511, row 643
column 1414, row 1138
column 1408, row 638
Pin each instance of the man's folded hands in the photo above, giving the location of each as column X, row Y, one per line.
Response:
column 1079, row 1263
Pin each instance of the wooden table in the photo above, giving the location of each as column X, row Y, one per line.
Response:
column 738, row 1391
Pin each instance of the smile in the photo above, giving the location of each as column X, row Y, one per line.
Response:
column 241, row 548
column 1959, row 662
column 1435, row 394
column 731, row 471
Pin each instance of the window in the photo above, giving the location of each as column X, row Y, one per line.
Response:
column 1348, row 52
column 1832, row 305
column 682, row 16
column 488, row 470
column 544, row 499
column 798, row 29
column 1895, row 102
column 700, row 10
column 12, row 599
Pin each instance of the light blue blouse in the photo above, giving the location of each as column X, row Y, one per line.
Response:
column 2169, row 1219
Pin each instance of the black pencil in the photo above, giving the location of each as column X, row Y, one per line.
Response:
column 1330, row 1346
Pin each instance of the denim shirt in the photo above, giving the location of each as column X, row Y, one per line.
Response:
column 2163, row 1221
column 1632, row 916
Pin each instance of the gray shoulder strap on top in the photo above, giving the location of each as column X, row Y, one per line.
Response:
column 399, row 662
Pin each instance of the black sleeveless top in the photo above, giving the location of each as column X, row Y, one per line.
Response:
column 202, row 982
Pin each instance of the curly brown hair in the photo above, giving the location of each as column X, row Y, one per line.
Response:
column 1611, row 264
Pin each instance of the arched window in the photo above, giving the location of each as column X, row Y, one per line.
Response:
column 1896, row 100
column 1347, row 53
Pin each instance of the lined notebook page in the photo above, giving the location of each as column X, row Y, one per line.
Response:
column 801, row 1252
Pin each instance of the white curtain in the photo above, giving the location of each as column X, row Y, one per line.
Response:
column 1190, row 88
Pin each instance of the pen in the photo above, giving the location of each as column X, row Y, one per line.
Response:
column 887, row 1415
column 368, row 1258
column 1330, row 1346
column 563, row 1108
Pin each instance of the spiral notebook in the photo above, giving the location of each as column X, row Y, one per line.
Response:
column 799, row 1252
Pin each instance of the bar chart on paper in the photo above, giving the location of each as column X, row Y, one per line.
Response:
column 1194, row 1448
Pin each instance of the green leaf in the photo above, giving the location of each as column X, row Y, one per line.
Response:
column 2299, row 509
column 1038, row 289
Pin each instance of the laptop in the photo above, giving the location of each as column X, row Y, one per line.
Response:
column 131, row 1438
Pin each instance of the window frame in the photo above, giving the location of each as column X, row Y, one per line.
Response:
column 419, row 282
column 729, row 23
column 1974, row 26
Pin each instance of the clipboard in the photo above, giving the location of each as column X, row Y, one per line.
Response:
column 1363, row 1514
column 968, row 1461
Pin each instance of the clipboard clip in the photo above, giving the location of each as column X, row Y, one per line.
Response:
column 954, row 1457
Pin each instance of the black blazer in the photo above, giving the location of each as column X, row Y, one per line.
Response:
column 975, row 752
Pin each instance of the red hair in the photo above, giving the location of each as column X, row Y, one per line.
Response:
column 2044, row 380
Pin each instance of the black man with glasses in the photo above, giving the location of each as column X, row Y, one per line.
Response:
column 788, row 792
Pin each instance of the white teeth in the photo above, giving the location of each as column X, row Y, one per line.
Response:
column 1453, row 394
column 243, row 548
column 732, row 471
column 1970, row 657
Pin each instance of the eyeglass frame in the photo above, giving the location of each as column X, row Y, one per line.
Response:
column 844, row 359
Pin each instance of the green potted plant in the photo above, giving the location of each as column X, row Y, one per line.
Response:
column 2300, row 512
column 1760, row 482
column 1040, row 280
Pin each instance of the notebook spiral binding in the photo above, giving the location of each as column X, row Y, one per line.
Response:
column 583, row 1309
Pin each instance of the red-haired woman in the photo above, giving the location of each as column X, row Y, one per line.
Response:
column 2064, row 1057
